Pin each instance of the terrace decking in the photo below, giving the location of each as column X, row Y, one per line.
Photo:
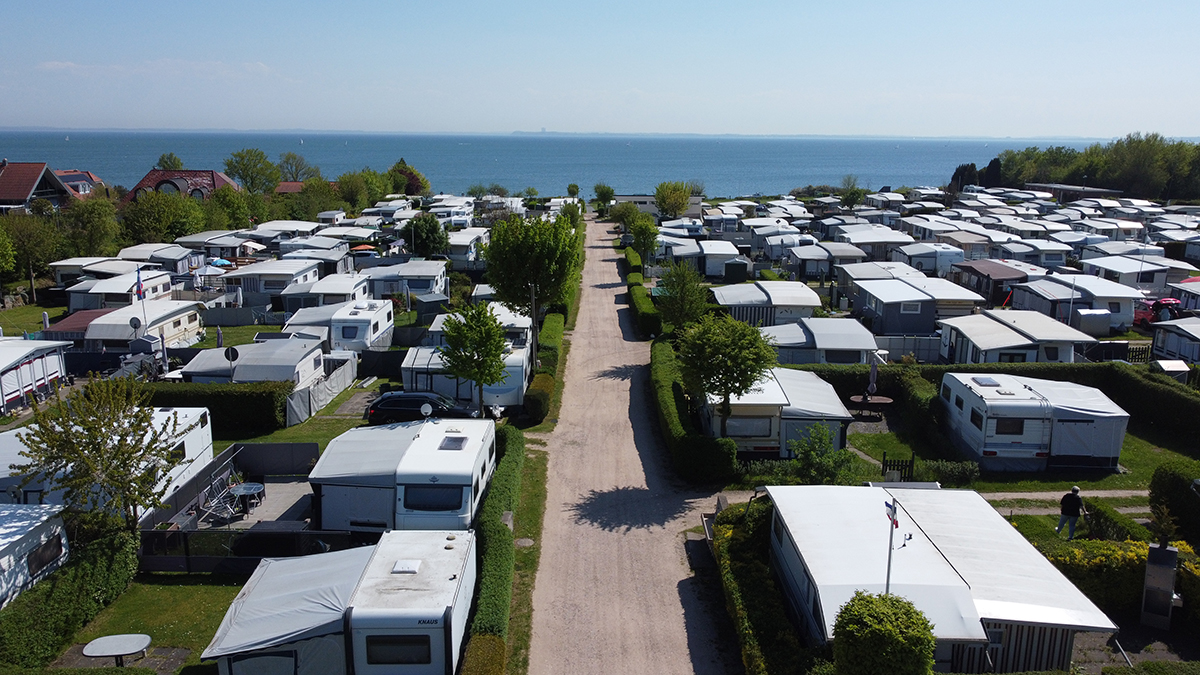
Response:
column 286, row 499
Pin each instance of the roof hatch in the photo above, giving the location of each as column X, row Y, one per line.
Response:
column 406, row 567
column 985, row 381
column 453, row 443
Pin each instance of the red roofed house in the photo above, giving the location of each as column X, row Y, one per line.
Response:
column 82, row 182
column 198, row 184
column 289, row 187
column 23, row 182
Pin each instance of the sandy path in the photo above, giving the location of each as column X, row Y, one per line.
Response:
column 614, row 590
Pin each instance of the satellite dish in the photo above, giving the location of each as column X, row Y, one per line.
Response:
column 135, row 323
column 426, row 409
column 231, row 354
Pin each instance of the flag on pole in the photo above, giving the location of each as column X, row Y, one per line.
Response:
column 891, row 513
column 137, row 289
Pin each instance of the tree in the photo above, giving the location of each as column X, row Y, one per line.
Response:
column 529, row 262
column 34, row 243
column 817, row 461
column 498, row 190
column 89, row 227
column 671, row 198
column 625, row 213
column 169, row 161
column 408, row 181
column 530, row 192
column 425, row 235
column 316, row 196
column 353, row 188
column 853, row 197
column 604, row 195
column 477, row 191
column 645, row 235
column 226, row 209
column 253, row 170
column 157, row 217
column 293, row 167
column 991, row 174
column 964, row 175
column 101, row 447
column 724, row 357
column 474, row 348
column 849, row 182
column 572, row 190
column 684, row 298
column 696, row 187
column 882, row 634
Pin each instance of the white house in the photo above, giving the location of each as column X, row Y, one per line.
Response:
column 767, row 303
column 176, row 322
column 272, row 276
column 416, row 277
column 1178, row 339
column 298, row 361
column 1009, row 336
column 812, row 340
column 119, row 291
column 1100, row 293
column 932, row 258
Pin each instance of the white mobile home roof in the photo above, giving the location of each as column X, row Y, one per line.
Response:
column 16, row 520
column 1096, row 286
column 292, row 267
column 893, row 290
column 809, row 396
column 125, row 283
column 942, row 289
column 839, row 333
column 16, row 350
column 366, row 455
column 315, row 316
column 985, row 332
column 115, row 324
column 717, row 247
column 1038, row 326
column 789, row 293
column 840, row 249
column 1123, row 265
column 339, row 283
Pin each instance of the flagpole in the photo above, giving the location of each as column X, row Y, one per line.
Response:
column 887, row 584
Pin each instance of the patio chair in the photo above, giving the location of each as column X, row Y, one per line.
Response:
column 219, row 504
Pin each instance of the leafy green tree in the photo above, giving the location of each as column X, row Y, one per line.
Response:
column 169, row 161
column 156, row 217
column 253, row 170
column 853, row 197
column 991, row 176
column 353, row 189
column 645, row 235
column 34, row 242
column 89, row 227
column 625, row 213
column 100, row 445
column 964, row 175
column 571, row 212
column 497, row 189
column 8, row 259
column 293, row 167
column 530, row 261
column 407, row 180
column 882, row 634
column 1137, row 165
column 477, row 191
column 849, row 182
column 696, row 187
column 723, row 357
column 817, row 461
column 684, row 298
column 573, row 190
column 671, row 198
column 316, row 196
column 226, row 209
column 42, row 208
column 530, row 192
column 474, row 348
column 604, row 195
column 425, row 235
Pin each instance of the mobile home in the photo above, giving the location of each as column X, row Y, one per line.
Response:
column 366, row 325
column 33, row 544
column 399, row 607
column 426, row 475
column 1010, row 423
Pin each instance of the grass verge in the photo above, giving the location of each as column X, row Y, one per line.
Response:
column 319, row 430
column 232, row 336
column 28, row 318
column 528, row 520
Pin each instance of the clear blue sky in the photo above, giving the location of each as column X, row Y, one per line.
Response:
column 1023, row 69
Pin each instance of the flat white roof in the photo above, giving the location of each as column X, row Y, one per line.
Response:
column 1123, row 265
column 15, row 350
column 717, row 247
column 985, row 332
column 829, row 333
column 339, row 283
column 115, row 324
column 893, row 290
column 374, row 455
column 942, row 289
column 1096, row 286
column 441, row 557
column 288, row 226
column 290, row 266
column 1038, row 326
column 789, row 293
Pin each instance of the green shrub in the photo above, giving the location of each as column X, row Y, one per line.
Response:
column 646, row 315
column 537, row 396
column 769, row 275
column 237, row 410
column 42, row 621
column 634, row 279
column 694, row 456
column 947, row 472
column 550, row 343
column 495, row 539
column 1112, row 573
column 485, row 655
column 1105, row 522
column 633, row 261
column 882, row 634
column 570, row 292
column 1171, row 486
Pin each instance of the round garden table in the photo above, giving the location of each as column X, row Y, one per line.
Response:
column 117, row 646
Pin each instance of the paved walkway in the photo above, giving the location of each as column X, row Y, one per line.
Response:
column 614, row 592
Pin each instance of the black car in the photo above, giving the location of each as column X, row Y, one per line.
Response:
column 405, row 406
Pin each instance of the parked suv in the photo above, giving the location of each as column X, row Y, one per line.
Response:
column 405, row 406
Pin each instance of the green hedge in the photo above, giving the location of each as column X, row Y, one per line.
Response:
column 645, row 314
column 695, row 456
column 769, row 275
column 42, row 621
column 634, row 279
column 948, row 473
column 1105, row 522
column 237, row 410
column 537, row 397
column 550, row 339
column 1156, row 668
column 768, row 641
column 495, row 539
column 633, row 261
column 570, row 291
column 1171, row 486
column 485, row 655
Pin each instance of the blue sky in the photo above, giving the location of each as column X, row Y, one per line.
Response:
column 1024, row 69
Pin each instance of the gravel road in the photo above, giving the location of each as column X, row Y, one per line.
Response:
column 615, row 592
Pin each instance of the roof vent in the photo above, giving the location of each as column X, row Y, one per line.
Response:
column 985, row 381
column 1005, row 392
column 453, row 443
column 406, row 567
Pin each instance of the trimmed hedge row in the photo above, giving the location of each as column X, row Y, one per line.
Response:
column 1105, row 522
column 235, row 409
column 1156, row 668
column 633, row 261
column 1171, row 486
column 769, row 275
column 42, row 621
column 634, row 279
column 550, row 339
column 485, row 655
column 538, row 395
column 649, row 321
column 495, row 539
column 566, row 304
column 695, row 456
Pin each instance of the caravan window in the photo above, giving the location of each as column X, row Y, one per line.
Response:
column 910, row 308
column 958, row 402
column 44, row 555
column 433, row 497
column 178, row 454
column 391, row 649
column 1010, row 426
column 977, row 419
column 349, row 332
column 748, row 427
column 842, row 356
column 1051, row 353
column 946, row 391
column 374, row 328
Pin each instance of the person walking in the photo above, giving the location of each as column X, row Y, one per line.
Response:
column 1070, row 508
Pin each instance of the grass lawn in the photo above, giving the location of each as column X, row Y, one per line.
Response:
column 1141, row 453
column 319, row 430
column 175, row 610
column 233, row 335
column 406, row 318
column 18, row 320
column 528, row 522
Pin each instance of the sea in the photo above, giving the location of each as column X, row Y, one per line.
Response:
column 728, row 166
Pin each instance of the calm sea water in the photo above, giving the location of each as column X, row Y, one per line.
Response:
column 727, row 165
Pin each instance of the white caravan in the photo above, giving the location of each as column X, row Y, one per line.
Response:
column 33, row 544
column 367, row 325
